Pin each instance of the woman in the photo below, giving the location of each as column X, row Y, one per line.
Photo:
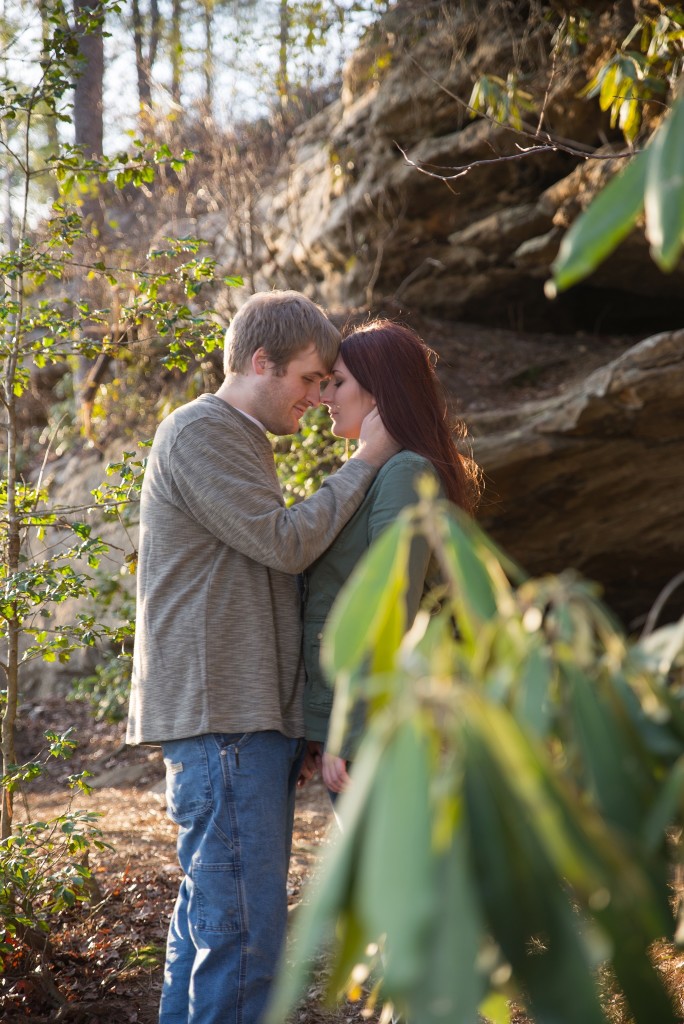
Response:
column 386, row 365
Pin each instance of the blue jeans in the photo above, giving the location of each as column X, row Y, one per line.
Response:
column 232, row 796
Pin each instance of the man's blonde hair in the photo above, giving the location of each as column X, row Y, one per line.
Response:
column 282, row 323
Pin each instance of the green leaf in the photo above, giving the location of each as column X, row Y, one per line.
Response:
column 480, row 579
column 329, row 895
column 375, row 584
column 350, row 951
column 666, row 809
column 601, row 227
column 532, row 699
column 496, row 1009
column 561, row 841
column 395, row 893
column 630, row 118
column 608, row 87
column 524, row 899
column 611, row 755
column 664, row 195
column 452, row 984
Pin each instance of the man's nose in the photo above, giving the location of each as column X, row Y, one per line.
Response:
column 313, row 395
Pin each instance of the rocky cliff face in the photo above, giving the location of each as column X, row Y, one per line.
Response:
column 395, row 192
column 396, row 199
column 592, row 477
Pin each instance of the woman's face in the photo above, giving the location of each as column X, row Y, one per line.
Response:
column 347, row 401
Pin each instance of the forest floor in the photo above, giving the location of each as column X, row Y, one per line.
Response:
column 108, row 952
column 107, row 957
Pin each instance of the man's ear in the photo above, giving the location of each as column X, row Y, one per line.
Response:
column 260, row 362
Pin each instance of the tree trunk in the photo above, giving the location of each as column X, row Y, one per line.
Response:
column 7, row 212
column 141, row 66
column 88, row 129
column 208, row 17
column 155, row 35
column 176, row 50
column 51, row 124
column 282, row 81
column 12, row 553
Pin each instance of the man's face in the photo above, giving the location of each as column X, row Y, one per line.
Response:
column 283, row 399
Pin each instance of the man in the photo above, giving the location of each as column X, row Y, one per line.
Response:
column 217, row 674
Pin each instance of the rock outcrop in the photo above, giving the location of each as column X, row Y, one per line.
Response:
column 396, row 198
column 396, row 192
column 593, row 477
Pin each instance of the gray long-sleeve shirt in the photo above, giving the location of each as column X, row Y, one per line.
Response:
column 217, row 643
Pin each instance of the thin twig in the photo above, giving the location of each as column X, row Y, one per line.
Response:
column 549, row 142
column 660, row 603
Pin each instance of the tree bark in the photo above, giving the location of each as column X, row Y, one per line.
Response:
column 51, row 120
column 141, row 66
column 144, row 64
column 155, row 34
column 88, row 126
column 12, row 555
column 208, row 17
column 282, row 83
column 176, row 50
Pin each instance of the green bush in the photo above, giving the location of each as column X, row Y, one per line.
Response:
column 44, row 864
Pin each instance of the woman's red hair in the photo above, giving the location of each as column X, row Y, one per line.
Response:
column 395, row 366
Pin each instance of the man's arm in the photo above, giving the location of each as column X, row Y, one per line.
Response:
column 231, row 489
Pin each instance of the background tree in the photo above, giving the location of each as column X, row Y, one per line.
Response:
column 88, row 124
column 208, row 7
column 176, row 50
column 145, row 55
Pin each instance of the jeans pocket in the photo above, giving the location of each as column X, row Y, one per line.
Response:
column 219, row 904
column 188, row 782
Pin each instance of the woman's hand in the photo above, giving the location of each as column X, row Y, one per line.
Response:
column 334, row 773
column 311, row 763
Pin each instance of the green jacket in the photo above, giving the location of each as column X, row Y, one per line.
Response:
column 391, row 491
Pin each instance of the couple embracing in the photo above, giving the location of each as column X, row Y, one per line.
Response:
column 218, row 676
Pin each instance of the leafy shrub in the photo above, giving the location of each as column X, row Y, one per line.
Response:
column 107, row 689
column 304, row 460
column 44, row 864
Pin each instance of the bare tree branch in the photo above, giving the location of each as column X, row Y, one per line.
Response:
column 543, row 141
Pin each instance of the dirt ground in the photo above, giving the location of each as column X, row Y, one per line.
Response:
column 109, row 951
column 487, row 368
